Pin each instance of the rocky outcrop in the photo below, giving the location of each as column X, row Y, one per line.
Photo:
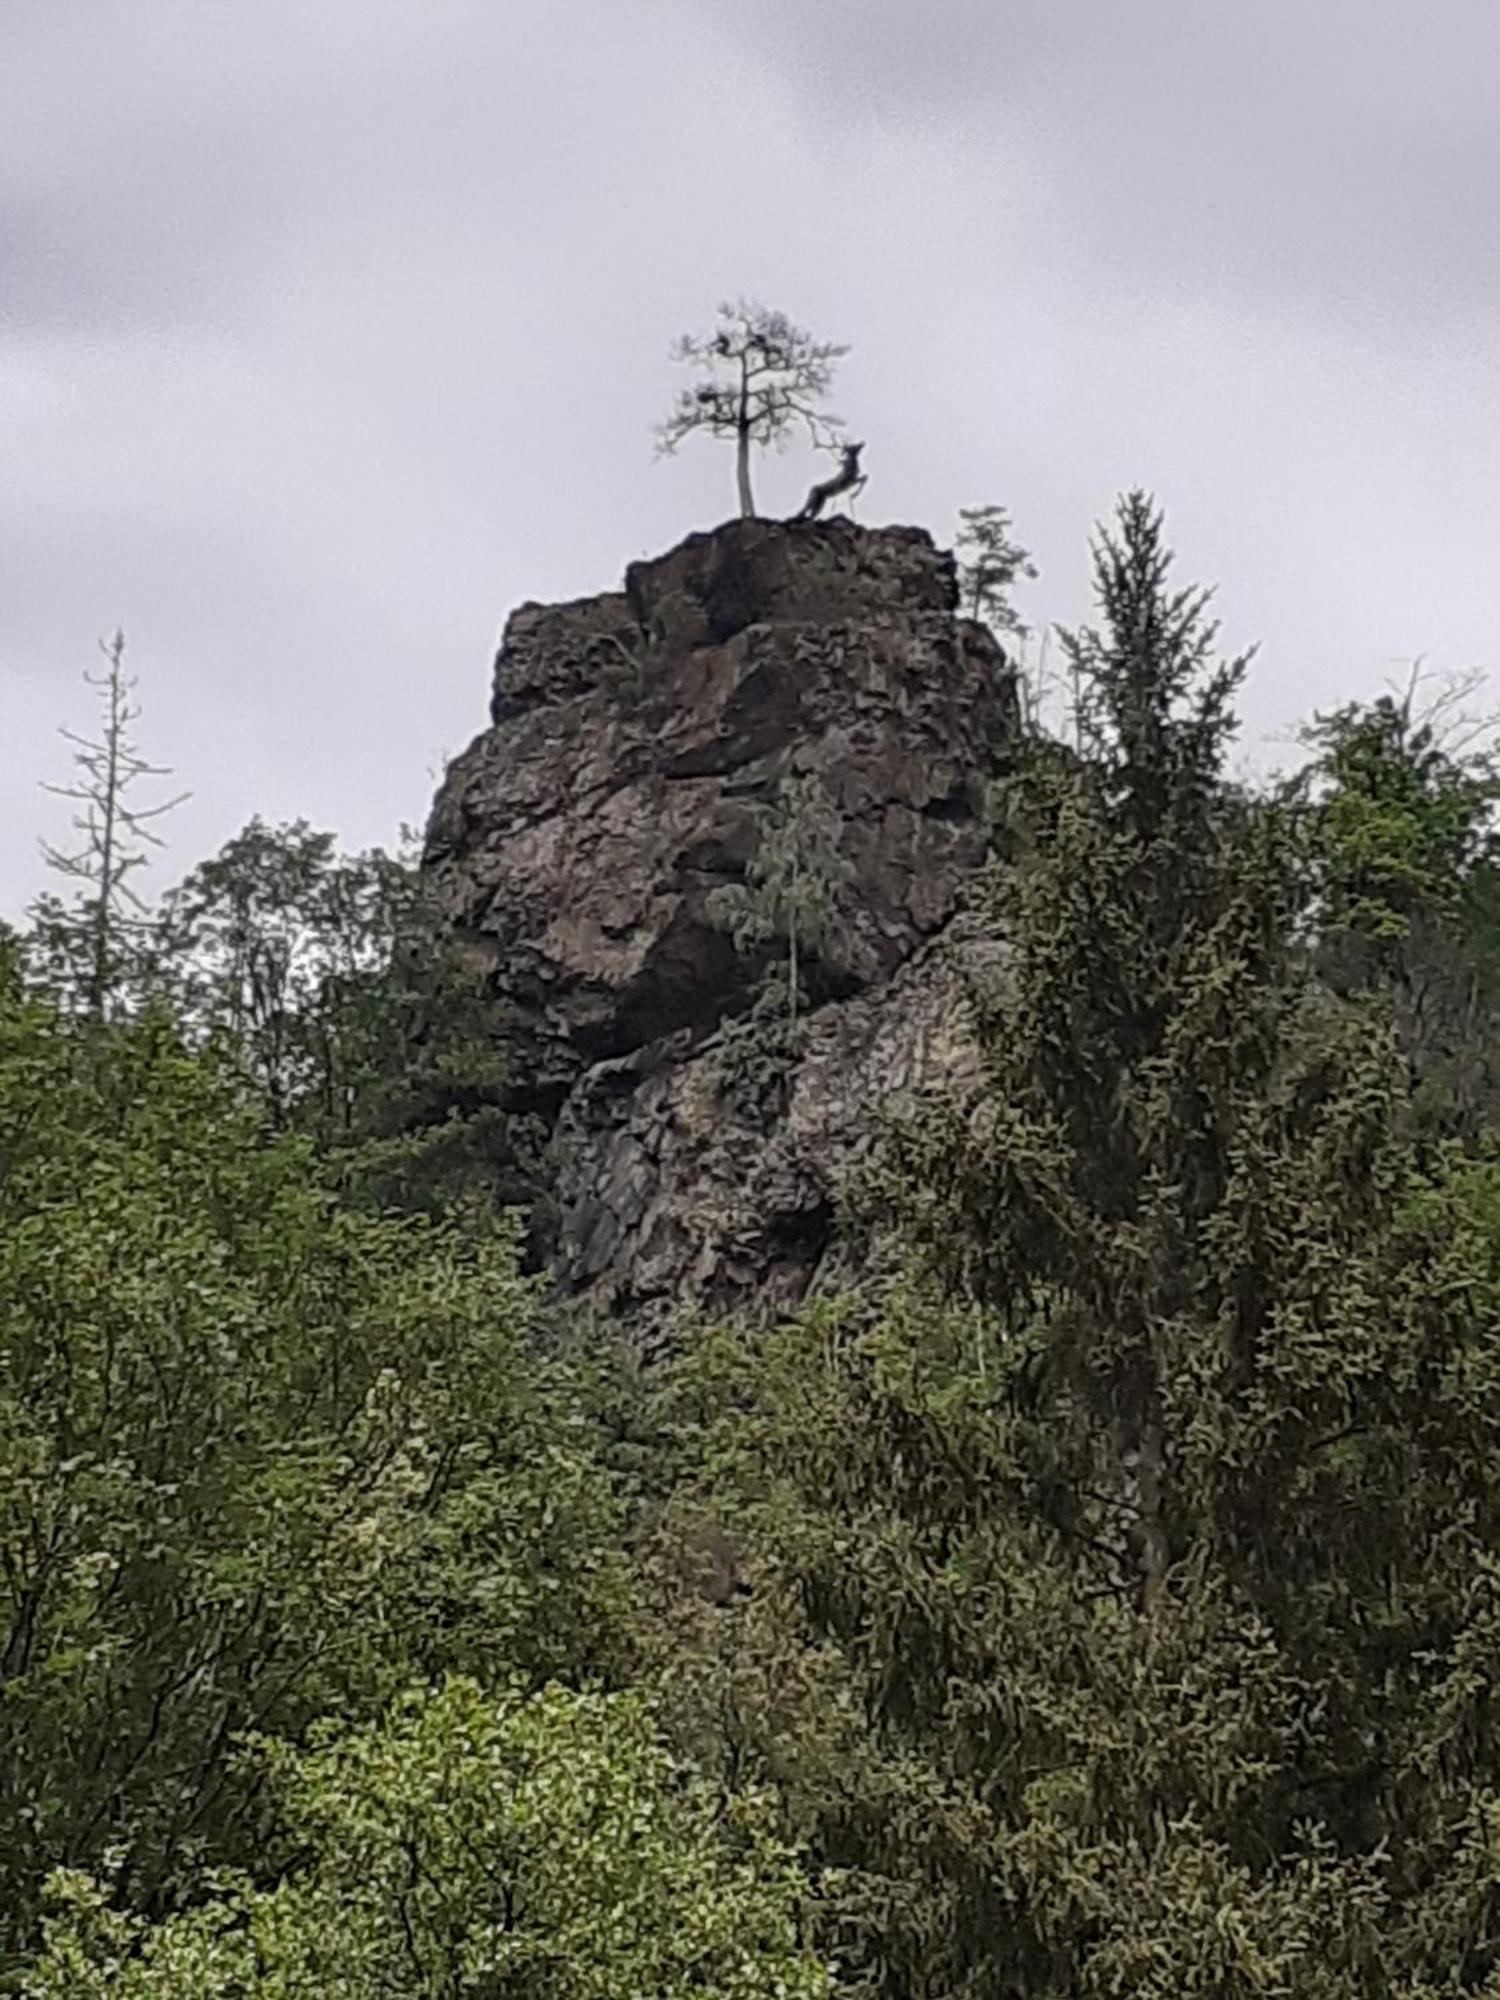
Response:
column 705, row 1176
column 582, row 846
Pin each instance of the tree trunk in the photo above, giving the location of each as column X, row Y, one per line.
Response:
column 109, row 807
column 742, row 471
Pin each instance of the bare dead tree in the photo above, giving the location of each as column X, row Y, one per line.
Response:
column 115, row 837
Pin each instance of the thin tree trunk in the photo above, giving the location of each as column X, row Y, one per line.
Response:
column 742, row 442
column 99, row 982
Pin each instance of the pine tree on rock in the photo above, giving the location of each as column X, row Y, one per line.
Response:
column 759, row 378
column 989, row 561
column 794, row 884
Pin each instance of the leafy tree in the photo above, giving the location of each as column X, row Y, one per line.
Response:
column 261, row 1459
column 90, row 947
column 758, row 378
column 1409, row 879
column 1122, row 1572
column 545, row 1848
column 794, row 882
column 1407, row 814
column 267, row 941
column 352, row 1021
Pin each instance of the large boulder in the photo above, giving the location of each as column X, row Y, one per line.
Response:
column 638, row 743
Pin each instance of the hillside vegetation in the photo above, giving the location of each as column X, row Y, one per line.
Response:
column 1095, row 1594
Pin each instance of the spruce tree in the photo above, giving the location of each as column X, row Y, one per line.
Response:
column 1122, row 1576
column 794, row 884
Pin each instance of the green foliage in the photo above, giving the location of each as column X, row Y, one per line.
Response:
column 1107, row 1599
column 261, row 1459
column 1409, row 886
column 1123, row 1578
column 989, row 561
column 543, row 1848
column 794, row 883
column 1405, row 820
column 350, row 1022
column 273, row 944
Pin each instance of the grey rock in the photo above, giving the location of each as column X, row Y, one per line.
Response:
column 705, row 1178
column 637, row 743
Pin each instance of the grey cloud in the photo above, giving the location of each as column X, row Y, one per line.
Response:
column 1342, row 157
column 321, row 346
column 163, row 162
column 143, row 251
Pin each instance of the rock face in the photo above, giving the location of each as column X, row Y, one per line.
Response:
column 639, row 740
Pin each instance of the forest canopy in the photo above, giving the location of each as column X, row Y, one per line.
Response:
column 1097, row 1595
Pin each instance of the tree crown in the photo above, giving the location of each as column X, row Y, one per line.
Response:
column 758, row 376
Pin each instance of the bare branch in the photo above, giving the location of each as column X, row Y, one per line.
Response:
column 87, row 943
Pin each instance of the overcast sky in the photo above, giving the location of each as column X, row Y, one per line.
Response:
column 330, row 330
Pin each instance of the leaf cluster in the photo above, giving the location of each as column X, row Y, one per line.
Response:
column 262, row 1458
column 542, row 1847
column 319, row 974
column 1406, row 817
